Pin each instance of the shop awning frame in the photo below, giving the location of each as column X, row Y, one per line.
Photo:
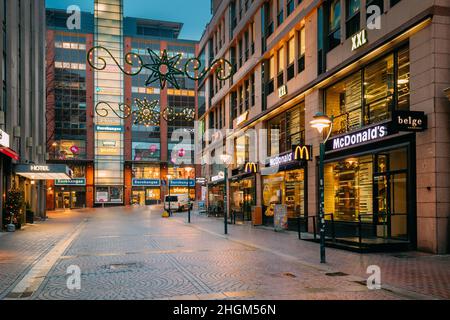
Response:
column 44, row 171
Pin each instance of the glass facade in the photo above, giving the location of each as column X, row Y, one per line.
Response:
column 284, row 188
column 370, row 95
column 70, row 97
column 372, row 189
column 109, row 146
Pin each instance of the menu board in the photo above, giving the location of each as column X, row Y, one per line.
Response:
column 280, row 220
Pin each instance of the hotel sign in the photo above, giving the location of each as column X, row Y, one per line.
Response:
column 359, row 39
column 358, row 138
column 410, row 121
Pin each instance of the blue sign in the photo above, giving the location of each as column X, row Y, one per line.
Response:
column 182, row 183
column 146, row 182
column 73, row 182
column 109, row 128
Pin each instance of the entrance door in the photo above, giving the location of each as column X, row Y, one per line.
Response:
column 63, row 200
column 391, row 204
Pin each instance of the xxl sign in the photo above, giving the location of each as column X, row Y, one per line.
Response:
column 358, row 138
column 410, row 121
column 359, row 39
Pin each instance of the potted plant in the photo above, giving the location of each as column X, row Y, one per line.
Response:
column 13, row 206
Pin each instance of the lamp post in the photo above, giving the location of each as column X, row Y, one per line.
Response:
column 321, row 122
column 54, row 145
column 188, row 170
column 226, row 159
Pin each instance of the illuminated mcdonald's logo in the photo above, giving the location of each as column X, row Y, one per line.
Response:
column 251, row 167
column 303, row 153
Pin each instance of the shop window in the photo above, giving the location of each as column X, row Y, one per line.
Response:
column 285, row 188
column 379, row 90
column 353, row 17
column 182, row 173
column 403, row 79
column 334, row 24
column 343, row 100
column 286, row 130
column 242, row 150
column 146, row 172
column 372, row 189
column 377, row 87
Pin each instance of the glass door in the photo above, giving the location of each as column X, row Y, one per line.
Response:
column 391, row 194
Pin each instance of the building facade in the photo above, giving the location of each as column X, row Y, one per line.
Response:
column 115, row 161
column 22, row 100
column 379, row 68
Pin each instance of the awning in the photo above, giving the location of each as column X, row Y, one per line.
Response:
column 10, row 153
column 44, row 171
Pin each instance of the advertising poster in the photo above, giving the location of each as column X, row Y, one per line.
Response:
column 280, row 219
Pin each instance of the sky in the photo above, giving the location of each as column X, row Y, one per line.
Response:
column 195, row 14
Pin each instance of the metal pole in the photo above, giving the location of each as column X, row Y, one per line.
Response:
column 225, row 219
column 189, row 200
column 322, row 200
column 170, row 210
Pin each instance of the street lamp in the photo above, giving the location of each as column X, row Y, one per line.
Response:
column 322, row 122
column 54, row 145
column 188, row 170
column 226, row 160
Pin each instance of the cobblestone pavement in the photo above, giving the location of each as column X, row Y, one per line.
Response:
column 133, row 253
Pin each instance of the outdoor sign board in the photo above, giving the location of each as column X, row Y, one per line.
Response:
column 280, row 220
column 414, row 121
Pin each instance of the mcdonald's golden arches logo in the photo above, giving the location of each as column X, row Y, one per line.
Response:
column 251, row 167
column 303, row 153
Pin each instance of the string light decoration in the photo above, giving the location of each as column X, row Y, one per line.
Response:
column 128, row 60
column 103, row 108
column 222, row 67
column 163, row 68
column 147, row 113
column 171, row 114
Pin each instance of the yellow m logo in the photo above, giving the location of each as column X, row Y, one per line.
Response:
column 302, row 153
column 251, row 167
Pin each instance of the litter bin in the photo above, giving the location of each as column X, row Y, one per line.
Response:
column 30, row 217
column 256, row 215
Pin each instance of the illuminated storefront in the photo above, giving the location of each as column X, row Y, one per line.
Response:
column 370, row 182
column 71, row 193
column 146, row 184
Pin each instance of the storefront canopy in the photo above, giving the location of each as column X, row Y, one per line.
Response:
column 44, row 172
column 9, row 152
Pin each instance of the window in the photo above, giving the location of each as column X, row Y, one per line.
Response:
column 280, row 65
column 334, row 24
column 234, row 103
column 301, row 50
column 369, row 95
column 280, row 15
column 353, row 17
column 286, row 130
column 379, row 90
column 270, row 83
column 291, row 58
column 290, row 7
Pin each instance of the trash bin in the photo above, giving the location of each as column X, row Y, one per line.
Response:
column 30, row 217
column 256, row 215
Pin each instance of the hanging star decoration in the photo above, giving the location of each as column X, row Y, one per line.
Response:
column 163, row 69
column 147, row 113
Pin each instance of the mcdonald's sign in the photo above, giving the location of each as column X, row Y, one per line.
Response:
column 251, row 167
column 303, row 153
